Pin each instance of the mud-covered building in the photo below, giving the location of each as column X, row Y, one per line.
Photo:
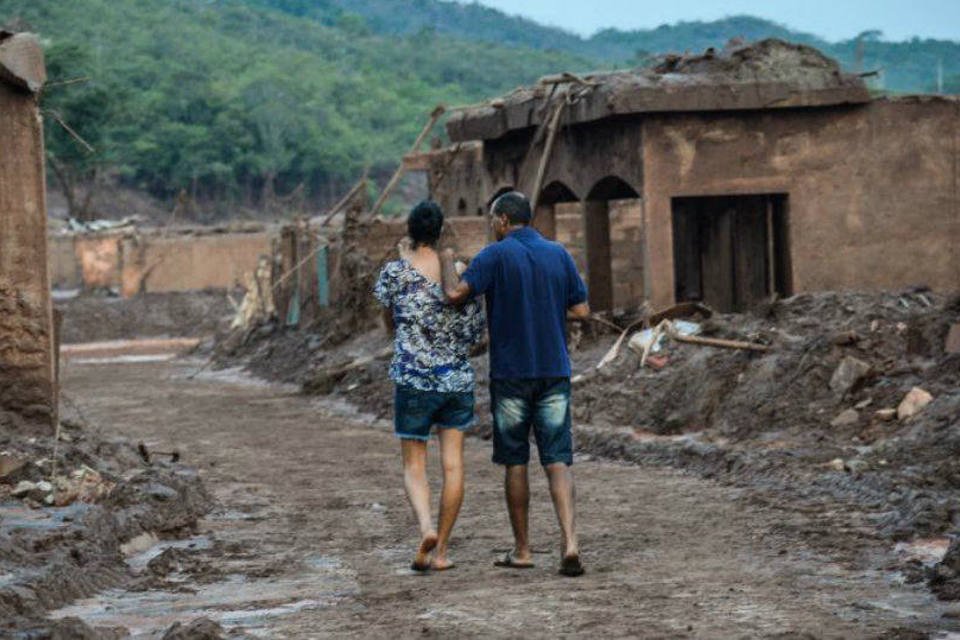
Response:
column 723, row 177
column 27, row 339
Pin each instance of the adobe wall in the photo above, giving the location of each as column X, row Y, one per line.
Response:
column 458, row 181
column 27, row 378
column 65, row 272
column 189, row 262
column 873, row 190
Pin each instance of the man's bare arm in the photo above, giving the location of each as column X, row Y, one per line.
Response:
column 456, row 290
column 579, row 311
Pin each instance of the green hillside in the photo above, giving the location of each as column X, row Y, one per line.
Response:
column 237, row 100
column 234, row 102
column 908, row 66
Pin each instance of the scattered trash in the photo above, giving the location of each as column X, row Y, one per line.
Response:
column 913, row 403
column 92, row 226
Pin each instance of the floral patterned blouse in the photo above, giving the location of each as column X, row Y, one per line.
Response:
column 433, row 339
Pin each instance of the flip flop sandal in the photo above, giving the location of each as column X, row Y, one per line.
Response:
column 572, row 567
column 508, row 562
column 421, row 568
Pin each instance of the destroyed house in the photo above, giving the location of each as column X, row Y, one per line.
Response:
column 723, row 178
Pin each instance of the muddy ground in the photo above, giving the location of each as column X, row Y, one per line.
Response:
column 95, row 318
column 753, row 419
column 311, row 537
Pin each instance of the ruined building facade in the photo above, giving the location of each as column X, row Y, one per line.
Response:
column 725, row 178
column 27, row 342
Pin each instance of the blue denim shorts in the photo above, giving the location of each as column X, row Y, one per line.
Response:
column 416, row 411
column 542, row 404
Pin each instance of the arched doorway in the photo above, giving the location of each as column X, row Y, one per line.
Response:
column 613, row 195
column 545, row 217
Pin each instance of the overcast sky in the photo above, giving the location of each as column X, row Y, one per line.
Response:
column 830, row 19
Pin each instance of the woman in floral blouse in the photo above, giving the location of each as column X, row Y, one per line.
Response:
column 433, row 376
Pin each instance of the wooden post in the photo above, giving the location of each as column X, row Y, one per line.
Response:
column 547, row 150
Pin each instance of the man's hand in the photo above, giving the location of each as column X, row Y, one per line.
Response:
column 455, row 290
column 405, row 249
column 579, row 311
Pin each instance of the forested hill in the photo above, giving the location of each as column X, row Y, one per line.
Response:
column 240, row 99
column 231, row 100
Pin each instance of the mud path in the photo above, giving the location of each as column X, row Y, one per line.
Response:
column 313, row 537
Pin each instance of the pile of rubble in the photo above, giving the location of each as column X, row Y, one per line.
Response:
column 68, row 511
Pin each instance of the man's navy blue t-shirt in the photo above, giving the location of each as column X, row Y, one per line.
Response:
column 529, row 283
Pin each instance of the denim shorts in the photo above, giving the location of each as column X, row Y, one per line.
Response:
column 416, row 411
column 542, row 404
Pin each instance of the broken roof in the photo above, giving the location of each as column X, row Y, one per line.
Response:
column 769, row 74
column 21, row 61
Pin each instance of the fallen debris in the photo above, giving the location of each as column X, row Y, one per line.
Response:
column 913, row 403
column 848, row 374
column 846, row 418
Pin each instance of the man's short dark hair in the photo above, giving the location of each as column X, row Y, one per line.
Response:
column 515, row 206
column 425, row 223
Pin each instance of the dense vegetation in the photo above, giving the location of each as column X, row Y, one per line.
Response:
column 235, row 101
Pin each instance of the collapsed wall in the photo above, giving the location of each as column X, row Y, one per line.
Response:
column 27, row 362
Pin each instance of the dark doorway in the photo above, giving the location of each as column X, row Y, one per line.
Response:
column 731, row 252
column 596, row 216
column 545, row 216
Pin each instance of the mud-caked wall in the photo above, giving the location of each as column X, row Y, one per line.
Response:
column 27, row 381
column 458, row 180
column 872, row 190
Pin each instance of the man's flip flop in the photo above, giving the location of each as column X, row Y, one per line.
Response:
column 420, row 568
column 571, row 567
column 509, row 562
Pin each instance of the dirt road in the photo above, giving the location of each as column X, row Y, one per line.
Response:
column 313, row 536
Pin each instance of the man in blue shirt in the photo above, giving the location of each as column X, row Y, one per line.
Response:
column 530, row 285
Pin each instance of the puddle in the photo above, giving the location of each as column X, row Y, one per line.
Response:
column 15, row 516
column 236, row 376
column 236, row 601
column 138, row 561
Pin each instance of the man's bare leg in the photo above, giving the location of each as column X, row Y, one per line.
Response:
column 451, row 457
column 418, row 493
column 563, row 493
column 517, row 489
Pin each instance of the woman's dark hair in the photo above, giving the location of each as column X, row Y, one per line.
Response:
column 425, row 223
